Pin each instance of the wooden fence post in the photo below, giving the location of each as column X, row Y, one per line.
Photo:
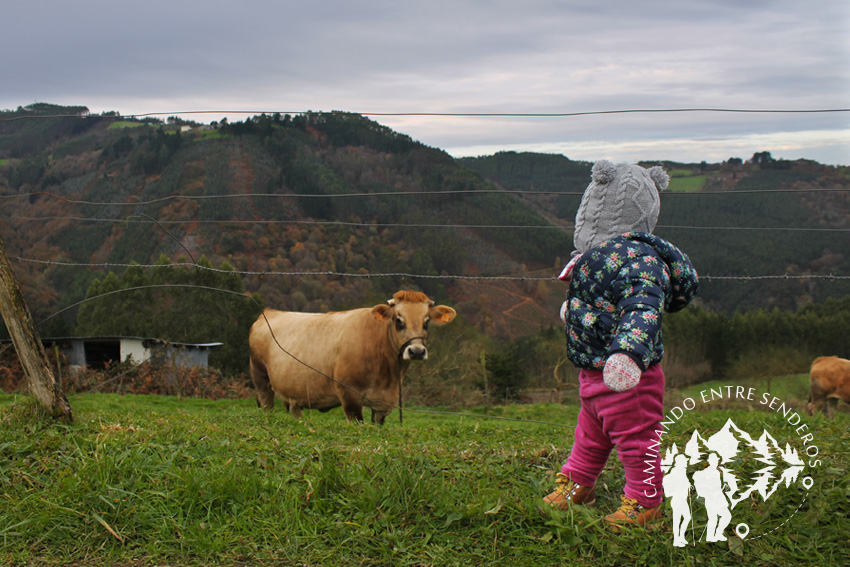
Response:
column 28, row 344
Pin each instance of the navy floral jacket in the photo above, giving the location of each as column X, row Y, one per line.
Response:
column 618, row 293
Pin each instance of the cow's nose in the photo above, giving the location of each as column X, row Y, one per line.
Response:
column 415, row 352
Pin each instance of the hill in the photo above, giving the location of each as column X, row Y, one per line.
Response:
column 88, row 193
column 736, row 219
column 309, row 209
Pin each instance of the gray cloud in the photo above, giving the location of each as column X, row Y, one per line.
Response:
column 456, row 56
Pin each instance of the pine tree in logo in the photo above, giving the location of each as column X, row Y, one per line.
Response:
column 726, row 468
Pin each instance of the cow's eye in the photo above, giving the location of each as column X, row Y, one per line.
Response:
column 425, row 324
column 399, row 324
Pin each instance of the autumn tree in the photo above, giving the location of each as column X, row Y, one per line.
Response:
column 188, row 304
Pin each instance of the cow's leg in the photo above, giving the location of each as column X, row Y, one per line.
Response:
column 817, row 398
column 295, row 411
column 829, row 406
column 352, row 407
column 262, row 386
column 379, row 416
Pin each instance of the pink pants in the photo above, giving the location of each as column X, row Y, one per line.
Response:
column 626, row 420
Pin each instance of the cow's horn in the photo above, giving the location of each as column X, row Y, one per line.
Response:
column 391, row 301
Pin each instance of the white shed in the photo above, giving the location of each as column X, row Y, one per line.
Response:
column 97, row 351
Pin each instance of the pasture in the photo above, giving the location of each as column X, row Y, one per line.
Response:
column 116, row 124
column 153, row 480
column 684, row 181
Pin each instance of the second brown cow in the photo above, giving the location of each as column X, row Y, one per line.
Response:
column 352, row 359
column 830, row 382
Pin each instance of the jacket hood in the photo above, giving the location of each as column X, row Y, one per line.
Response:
column 684, row 280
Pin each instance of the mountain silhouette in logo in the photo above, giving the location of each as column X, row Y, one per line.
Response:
column 727, row 441
column 738, row 450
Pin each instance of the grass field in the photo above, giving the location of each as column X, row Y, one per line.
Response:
column 145, row 480
column 686, row 184
column 125, row 124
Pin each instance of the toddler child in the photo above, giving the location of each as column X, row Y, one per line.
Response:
column 622, row 279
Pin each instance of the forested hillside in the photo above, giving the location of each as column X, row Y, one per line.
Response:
column 259, row 195
column 737, row 219
column 327, row 211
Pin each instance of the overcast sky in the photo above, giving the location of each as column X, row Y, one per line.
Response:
column 461, row 56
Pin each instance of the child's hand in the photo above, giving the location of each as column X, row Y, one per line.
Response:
column 621, row 373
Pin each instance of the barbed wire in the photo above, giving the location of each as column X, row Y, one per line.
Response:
column 442, row 114
column 304, row 222
column 401, row 225
column 391, row 406
column 408, row 193
column 280, row 273
column 391, row 193
column 330, row 273
column 207, row 288
column 148, row 219
column 396, row 194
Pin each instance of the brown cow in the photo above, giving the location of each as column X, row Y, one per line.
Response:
column 830, row 382
column 350, row 358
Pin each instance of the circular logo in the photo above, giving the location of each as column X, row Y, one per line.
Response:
column 719, row 479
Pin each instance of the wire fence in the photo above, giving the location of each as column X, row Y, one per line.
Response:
column 143, row 115
column 707, row 277
column 144, row 219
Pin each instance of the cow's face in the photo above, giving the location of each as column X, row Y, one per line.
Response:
column 410, row 314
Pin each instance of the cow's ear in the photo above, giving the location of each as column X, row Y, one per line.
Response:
column 382, row 312
column 442, row 314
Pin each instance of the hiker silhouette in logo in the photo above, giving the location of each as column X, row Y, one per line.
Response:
column 708, row 484
column 677, row 485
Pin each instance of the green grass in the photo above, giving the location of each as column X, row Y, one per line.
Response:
column 148, row 480
column 680, row 172
column 125, row 124
column 209, row 134
column 792, row 387
column 689, row 184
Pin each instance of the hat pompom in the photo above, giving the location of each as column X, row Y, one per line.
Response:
column 603, row 172
column 659, row 177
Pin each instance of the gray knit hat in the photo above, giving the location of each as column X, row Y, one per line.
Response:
column 620, row 198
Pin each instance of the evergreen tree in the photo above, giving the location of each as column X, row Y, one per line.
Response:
column 178, row 304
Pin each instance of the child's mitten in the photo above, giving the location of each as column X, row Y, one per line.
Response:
column 621, row 373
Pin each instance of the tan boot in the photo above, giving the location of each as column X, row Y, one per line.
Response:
column 630, row 512
column 568, row 493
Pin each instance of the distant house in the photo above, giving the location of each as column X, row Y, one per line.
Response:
column 95, row 352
